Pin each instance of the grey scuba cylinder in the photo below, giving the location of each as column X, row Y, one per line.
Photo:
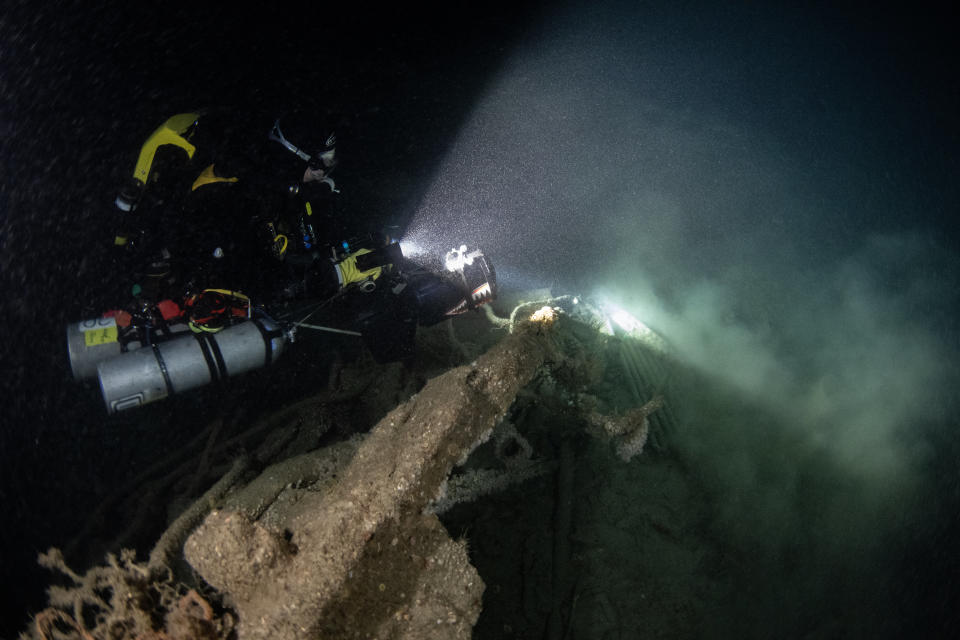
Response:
column 155, row 372
column 90, row 342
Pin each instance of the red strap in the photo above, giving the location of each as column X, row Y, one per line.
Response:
column 121, row 316
column 169, row 309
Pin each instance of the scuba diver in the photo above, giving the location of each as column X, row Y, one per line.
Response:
column 206, row 202
column 230, row 241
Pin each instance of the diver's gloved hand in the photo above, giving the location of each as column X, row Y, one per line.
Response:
column 349, row 273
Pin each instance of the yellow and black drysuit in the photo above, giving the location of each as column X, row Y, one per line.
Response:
column 218, row 205
column 212, row 202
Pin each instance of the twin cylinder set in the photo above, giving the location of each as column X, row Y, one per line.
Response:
column 137, row 374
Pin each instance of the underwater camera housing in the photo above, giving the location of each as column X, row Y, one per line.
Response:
column 476, row 273
column 464, row 282
column 426, row 295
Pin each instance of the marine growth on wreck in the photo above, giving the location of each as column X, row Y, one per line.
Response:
column 521, row 486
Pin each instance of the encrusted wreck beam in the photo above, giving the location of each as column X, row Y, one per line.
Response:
column 288, row 586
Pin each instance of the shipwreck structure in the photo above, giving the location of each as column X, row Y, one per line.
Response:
column 311, row 536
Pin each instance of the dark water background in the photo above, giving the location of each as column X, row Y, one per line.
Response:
column 710, row 166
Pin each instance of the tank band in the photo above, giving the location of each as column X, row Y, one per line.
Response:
column 220, row 372
column 268, row 336
column 163, row 369
column 201, row 339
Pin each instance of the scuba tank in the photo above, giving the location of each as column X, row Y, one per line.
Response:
column 160, row 370
column 90, row 342
column 158, row 350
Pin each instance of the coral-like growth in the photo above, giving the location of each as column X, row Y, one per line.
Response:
column 630, row 430
column 123, row 600
column 545, row 315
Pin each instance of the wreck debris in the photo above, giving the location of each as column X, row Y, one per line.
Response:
column 344, row 541
column 476, row 483
column 397, row 470
column 516, row 464
column 630, row 430
column 172, row 539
